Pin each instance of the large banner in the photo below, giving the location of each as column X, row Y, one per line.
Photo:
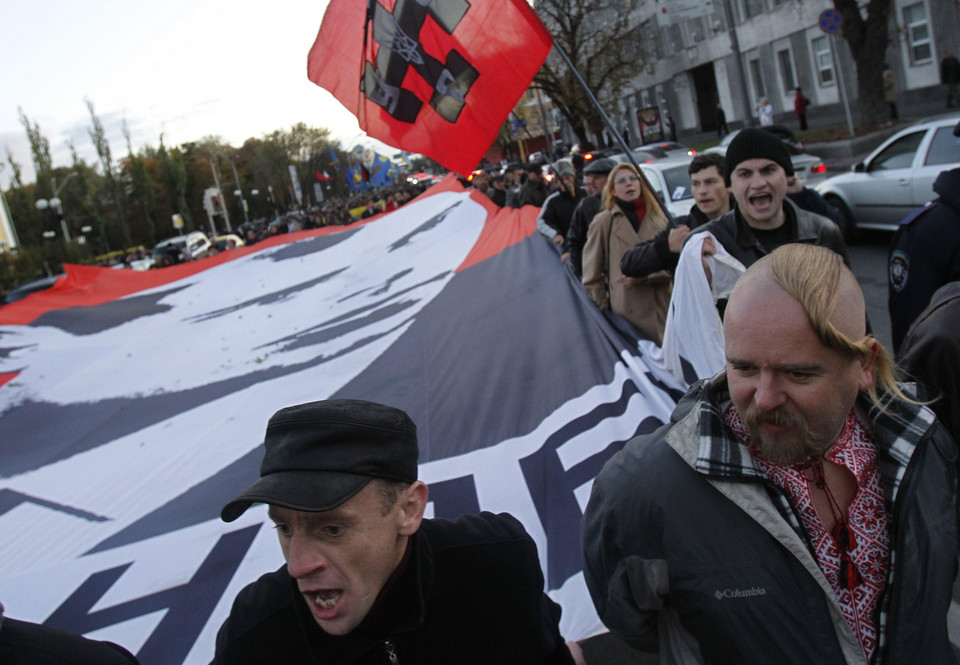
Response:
column 133, row 406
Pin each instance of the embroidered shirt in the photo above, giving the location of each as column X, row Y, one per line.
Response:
column 867, row 519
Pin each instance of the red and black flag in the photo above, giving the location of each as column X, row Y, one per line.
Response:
column 436, row 78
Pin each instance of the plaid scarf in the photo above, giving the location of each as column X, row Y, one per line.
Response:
column 896, row 428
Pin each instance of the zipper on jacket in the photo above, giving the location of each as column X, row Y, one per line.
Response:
column 391, row 652
column 896, row 545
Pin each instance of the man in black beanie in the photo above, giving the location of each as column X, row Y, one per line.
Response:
column 369, row 580
column 757, row 168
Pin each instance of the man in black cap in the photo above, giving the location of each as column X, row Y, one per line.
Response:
column 367, row 578
column 594, row 179
column 515, row 177
column 534, row 190
column 498, row 190
column 757, row 168
column 557, row 210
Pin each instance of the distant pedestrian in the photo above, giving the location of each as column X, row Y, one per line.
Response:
column 671, row 125
column 890, row 91
column 950, row 76
column 764, row 112
column 800, row 104
column 721, row 121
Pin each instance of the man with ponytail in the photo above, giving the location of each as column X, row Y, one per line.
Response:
column 800, row 507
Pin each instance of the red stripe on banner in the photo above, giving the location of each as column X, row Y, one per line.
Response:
column 86, row 286
column 504, row 227
column 6, row 377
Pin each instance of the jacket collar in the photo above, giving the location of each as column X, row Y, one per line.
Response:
column 400, row 608
column 896, row 429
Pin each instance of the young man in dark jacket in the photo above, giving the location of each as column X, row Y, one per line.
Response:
column 367, row 579
column 799, row 508
column 757, row 168
column 594, row 179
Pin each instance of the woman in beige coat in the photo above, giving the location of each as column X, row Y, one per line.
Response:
column 630, row 214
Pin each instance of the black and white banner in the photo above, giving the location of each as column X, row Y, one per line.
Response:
column 127, row 424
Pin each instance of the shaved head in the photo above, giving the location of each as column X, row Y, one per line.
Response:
column 817, row 278
column 797, row 351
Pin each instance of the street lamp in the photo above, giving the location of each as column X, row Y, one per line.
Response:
column 57, row 205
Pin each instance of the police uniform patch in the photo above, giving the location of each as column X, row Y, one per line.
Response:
column 899, row 269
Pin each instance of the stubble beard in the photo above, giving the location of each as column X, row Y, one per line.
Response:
column 798, row 443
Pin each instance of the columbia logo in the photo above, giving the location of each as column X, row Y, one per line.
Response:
column 721, row 594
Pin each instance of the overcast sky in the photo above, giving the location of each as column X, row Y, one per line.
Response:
column 186, row 68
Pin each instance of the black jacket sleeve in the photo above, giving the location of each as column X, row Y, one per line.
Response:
column 811, row 201
column 654, row 255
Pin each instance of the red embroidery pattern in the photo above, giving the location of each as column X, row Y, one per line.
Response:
column 866, row 516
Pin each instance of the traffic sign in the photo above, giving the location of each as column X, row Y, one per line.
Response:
column 830, row 21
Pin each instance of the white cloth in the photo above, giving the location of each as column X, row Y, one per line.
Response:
column 694, row 331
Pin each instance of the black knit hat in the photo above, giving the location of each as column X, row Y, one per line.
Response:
column 318, row 455
column 754, row 143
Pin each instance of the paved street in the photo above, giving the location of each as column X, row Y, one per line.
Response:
column 868, row 258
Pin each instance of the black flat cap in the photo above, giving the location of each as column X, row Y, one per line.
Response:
column 599, row 166
column 320, row 454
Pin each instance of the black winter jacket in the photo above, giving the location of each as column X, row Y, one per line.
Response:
column 736, row 236
column 24, row 643
column 687, row 550
column 583, row 214
column 654, row 255
column 925, row 255
column 471, row 592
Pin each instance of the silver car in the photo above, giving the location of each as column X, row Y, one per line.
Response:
column 670, row 178
column 897, row 177
column 807, row 167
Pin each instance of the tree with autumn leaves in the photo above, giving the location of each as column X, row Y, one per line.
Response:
column 126, row 202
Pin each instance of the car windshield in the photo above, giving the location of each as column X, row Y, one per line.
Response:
column 678, row 183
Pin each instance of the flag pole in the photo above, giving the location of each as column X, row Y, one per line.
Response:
column 608, row 123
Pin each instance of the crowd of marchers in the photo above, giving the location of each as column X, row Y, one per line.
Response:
column 799, row 506
column 334, row 211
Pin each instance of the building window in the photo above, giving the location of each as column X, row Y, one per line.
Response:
column 676, row 38
column 757, row 76
column 697, row 33
column 786, row 70
column 918, row 33
column 823, row 61
column 752, row 8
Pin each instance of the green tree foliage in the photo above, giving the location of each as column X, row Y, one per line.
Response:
column 140, row 193
column 118, row 215
column 130, row 202
column 40, row 150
